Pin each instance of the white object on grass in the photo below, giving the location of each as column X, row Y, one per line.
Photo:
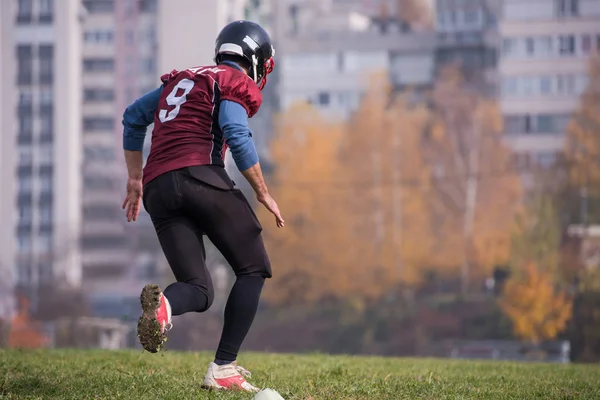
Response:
column 268, row 394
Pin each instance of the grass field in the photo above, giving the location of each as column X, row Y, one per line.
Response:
column 74, row 374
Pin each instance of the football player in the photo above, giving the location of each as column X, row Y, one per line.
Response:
column 198, row 113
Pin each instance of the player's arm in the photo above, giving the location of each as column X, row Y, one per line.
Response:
column 233, row 121
column 136, row 119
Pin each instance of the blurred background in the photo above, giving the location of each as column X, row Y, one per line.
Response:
column 437, row 164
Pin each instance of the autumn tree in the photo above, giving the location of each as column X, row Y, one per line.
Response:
column 315, row 256
column 476, row 193
column 537, row 310
column 24, row 332
column 537, row 237
column 388, row 182
column 581, row 197
column 582, row 149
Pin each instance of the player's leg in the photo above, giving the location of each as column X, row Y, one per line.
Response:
column 181, row 242
column 234, row 229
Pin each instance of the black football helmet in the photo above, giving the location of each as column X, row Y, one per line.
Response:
column 251, row 42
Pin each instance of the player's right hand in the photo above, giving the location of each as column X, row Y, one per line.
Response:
column 271, row 205
column 133, row 199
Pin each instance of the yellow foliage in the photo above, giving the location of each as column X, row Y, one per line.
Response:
column 583, row 135
column 362, row 210
column 25, row 333
column 467, row 154
column 538, row 311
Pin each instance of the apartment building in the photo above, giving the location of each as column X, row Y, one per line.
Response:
column 467, row 36
column 119, row 65
column 546, row 45
column 329, row 65
column 40, row 201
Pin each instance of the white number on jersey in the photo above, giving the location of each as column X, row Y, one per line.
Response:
column 173, row 100
column 204, row 70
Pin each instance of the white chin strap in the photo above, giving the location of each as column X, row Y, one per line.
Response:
column 254, row 67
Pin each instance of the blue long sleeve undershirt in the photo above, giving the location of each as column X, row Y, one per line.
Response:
column 233, row 121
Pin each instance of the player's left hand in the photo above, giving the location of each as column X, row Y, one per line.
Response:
column 133, row 199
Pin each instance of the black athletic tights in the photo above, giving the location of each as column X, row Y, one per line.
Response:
column 183, row 208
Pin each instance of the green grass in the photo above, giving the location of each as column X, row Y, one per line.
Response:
column 75, row 374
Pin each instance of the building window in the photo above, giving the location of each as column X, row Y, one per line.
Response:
column 46, row 272
column 46, row 214
column 23, row 273
column 25, row 125
column 99, row 242
column 567, row 8
column 98, row 65
column 535, row 124
column 529, row 46
column 509, row 46
column 545, row 160
column 25, row 156
column 543, row 45
column 46, row 122
column 25, row 64
column 509, row 87
column 98, row 124
column 46, row 96
column 26, row 103
column 25, row 185
column 148, row 65
column 98, row 95
column 565, row 84
column 129, row 37
column 149, row 6
column 24, row 241
column 471, row 17
column 100, row 212
column 46, row 155
column 581, row 83
column 98, row 182
column 45, row 242
column 323, row 98
column 46, row 53
column 46, row 183
column 24, row 11
column 46, row 11
column 566, row 45
column 25, row 215
column 293, row 11
column 130, row 66
column 586, row 44
column 544, row 124
column 99, row 6
column 99, row 36
column 545, row 85
column 96, row 153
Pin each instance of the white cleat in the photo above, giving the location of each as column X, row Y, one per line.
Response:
column 228, row 377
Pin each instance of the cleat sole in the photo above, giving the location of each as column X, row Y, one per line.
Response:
column 149, row 331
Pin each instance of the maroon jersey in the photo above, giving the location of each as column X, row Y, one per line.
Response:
column 186, row 127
